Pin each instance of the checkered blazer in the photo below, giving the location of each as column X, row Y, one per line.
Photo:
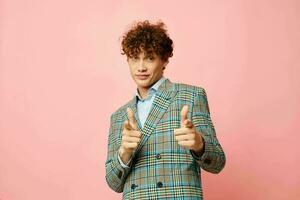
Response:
column 160, row 168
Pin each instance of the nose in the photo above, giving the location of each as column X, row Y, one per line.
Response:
column 141, row 67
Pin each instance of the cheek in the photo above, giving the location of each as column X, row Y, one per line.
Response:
column 158, row 70
column 154, row 68
column 131, row 70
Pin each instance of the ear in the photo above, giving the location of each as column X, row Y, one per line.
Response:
column 165, row 63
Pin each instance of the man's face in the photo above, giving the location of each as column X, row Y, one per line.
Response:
column 146, row 70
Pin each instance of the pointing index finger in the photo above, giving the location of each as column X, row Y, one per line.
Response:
column 184, row 113
column 131, row 118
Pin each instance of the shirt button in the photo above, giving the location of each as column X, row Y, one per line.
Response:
column 158, row 156
column 159, row 184
column 133, row 186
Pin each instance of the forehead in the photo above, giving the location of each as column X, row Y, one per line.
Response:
column 144, row 53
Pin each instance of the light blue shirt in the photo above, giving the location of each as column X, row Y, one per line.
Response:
column 144, row 106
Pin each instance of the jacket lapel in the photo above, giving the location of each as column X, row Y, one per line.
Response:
column 162, row 100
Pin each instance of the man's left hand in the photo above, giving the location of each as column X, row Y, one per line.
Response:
column 187, row 135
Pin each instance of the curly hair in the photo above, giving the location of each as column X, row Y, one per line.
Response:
column 147, row 37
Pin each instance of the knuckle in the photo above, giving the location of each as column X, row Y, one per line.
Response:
column 128, row 132
column 125, row 138
column 124, row 132
column 137, row 133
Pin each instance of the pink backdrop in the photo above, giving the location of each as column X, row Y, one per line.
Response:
column 62, row 75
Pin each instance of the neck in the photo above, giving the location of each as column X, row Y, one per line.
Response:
column 143, row 92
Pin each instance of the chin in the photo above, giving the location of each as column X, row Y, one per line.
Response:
column 143, row 83
column 146, row 81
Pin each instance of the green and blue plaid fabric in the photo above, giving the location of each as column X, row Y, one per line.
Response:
column 160, row 168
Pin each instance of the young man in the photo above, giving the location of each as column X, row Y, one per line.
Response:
column 159, row 140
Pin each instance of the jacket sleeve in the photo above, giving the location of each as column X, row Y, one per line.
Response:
column 115, row 174
column 213, row 158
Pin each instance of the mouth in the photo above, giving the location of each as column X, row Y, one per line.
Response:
column 142, row 77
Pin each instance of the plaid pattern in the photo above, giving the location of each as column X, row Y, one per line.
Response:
column 160, row 168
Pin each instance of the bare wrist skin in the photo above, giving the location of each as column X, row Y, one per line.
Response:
column 124, row 155
column 200, row 143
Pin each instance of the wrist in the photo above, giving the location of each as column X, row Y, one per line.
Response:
column 124, row 155
column 199, row 149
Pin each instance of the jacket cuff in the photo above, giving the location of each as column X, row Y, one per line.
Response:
column 118, row 169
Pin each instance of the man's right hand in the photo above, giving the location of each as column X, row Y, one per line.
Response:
column 131, row 137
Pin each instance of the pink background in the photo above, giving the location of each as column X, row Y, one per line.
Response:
column 62, row 75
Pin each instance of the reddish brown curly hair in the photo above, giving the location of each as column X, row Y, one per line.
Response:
column 147, row 37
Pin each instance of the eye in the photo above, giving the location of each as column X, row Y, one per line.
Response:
column 134, row 58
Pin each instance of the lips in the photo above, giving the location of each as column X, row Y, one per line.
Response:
column 142, row 77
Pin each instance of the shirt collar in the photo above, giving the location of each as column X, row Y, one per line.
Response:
column 152, row 90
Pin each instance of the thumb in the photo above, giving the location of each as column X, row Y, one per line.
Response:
column 188, row 123
column 184, row 113
column 131, row 118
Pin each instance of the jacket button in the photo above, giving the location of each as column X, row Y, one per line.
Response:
column 133, row 186
column 158, row 156
column 159, row 184
column 207, row 161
